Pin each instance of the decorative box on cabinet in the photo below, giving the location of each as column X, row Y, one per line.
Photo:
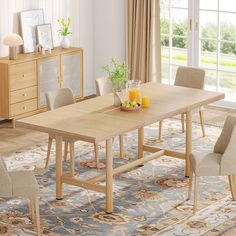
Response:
column 23, row 82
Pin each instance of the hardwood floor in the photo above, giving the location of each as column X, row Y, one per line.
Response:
column 15, row 139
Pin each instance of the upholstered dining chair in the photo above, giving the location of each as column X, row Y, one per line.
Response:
column 221, row 162
column 21, row 184
column 189, row 77
column 103, row 87
column 56, row 99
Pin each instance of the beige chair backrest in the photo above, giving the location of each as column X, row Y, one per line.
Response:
column 103, row 86
column 5, row 181
column 225, row 135
column 59, row 98
column 190, row 77
column 228, row 160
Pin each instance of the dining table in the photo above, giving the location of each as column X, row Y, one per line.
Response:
column 96, row 120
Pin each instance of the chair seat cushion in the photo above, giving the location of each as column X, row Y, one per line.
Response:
column 24, row 183
column 205, row 164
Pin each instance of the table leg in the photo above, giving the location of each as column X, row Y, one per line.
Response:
column 140, row 142
column 121, row 142
column 188, row 144
column 58, row 167
column 109, row 177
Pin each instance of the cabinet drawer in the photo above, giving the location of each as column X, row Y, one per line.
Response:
column 23, row 107
column 23, row 94
column 22, row 75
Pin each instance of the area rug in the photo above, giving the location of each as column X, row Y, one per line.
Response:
column 214, row 117
column 149, row 200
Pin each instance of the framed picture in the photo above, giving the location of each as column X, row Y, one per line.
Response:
column 28, row 21
column 44, row 35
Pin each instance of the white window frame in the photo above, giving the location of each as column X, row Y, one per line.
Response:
column 193, row 38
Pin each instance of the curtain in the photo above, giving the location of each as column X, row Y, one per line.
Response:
column 144, row 50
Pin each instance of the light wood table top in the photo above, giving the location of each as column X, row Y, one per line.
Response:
column 96, row 119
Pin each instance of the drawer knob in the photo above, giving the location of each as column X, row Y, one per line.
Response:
column 24, row 108
column 23, row 75
column 24, row 94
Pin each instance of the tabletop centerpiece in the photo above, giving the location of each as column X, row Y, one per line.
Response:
column 117, row 72
column 133, row 102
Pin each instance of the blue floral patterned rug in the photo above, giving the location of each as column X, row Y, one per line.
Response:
column 148, row 200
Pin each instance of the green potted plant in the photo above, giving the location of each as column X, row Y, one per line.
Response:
column 64, row 31
column 117, row 73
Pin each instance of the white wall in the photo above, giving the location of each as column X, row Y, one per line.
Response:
column 10, row 9
column 85, row 37
column 109, row 32
column 98, row 27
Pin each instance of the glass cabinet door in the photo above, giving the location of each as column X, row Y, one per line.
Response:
column 48, row 70
column 72, row 73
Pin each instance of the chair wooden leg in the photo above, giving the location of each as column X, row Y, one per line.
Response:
column 160, row 129
column 49, row 151
column 182, row 122
column 96, row 154
column 121, row 141
column 72, row 159
column 232, row 185
column 196, row 189
column 37, row 215
column 202, row 122
column 190, row 184
column 32, row 208
column 66, row 150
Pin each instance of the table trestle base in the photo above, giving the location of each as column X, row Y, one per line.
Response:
column 167, row 152
column 83, row 184
column 128, row 166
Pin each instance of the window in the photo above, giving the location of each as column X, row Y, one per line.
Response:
column 201, row 33
column 174, row 37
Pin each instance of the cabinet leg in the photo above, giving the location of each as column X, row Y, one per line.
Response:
column 13, row 123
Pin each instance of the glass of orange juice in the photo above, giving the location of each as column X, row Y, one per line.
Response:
column 145, row 101
column 135, row 91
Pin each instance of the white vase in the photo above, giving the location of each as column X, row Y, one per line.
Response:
column 65, row 42
column 117, row 100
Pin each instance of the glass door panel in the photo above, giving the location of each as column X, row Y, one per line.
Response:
column 209, row 5
column 71, row 73
column 200, row 33
column 208, row 54
column 179, row 3
column 210, row 80
column 217, row 40
column 174, row 37
column 48, row 77
column 228, row 85
column 227, row 5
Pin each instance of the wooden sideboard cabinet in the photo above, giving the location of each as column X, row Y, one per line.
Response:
column 24, row 81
